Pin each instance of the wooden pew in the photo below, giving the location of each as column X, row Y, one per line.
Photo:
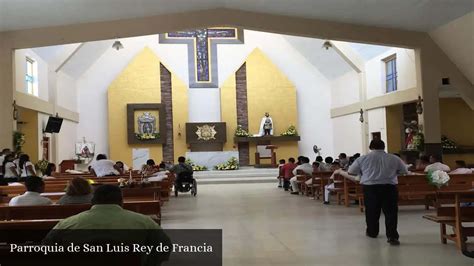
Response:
column 454, row 215
column 338, row 188
column 412, row 189
column 319, row 180
column 152, row 208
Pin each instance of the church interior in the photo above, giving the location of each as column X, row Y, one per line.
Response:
column 236, row 88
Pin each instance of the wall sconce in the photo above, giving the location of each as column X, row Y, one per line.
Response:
column 117, row 45
column 361, row 118
column 419, row 106
column 15, row 111
column 179, row 130
column 327, row 45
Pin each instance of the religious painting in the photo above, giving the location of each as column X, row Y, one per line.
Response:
column 145, row 123
column 85, row 151
column 202, row 51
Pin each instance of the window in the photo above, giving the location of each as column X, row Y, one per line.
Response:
column 31, row 76
column 391, row 73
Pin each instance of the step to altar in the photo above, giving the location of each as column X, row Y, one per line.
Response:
column 242, row 175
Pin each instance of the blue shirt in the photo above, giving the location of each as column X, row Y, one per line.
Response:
column 378, row 168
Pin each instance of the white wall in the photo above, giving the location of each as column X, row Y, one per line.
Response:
column 313, row 89
column 20, row 72
column 66, row 140
column 375, row 71
column 345, row 89
column 66, row 92
column 377, row 123
column 347, row 134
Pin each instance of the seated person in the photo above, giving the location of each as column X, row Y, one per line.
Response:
column 103, row 167
column 162, row 165
column 10, row 173
column 182, row 170
column 26, row 167
column 121, row 167
column 34, row 187
column 306, row 168
column 326, row 166
column 461, row 168
column 150, row 168
column 287, row 170
column 343, row 161
column 107, row 213
column 436, row 164
column 50, row 170
column 78, row 191
column 280, row 176
column 422, row 163
column 330, row 185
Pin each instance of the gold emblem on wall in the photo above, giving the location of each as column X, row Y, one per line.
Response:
column 206, row 132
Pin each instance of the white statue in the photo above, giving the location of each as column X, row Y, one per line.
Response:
column 266, row 126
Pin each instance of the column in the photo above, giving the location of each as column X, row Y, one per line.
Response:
column 7, row 95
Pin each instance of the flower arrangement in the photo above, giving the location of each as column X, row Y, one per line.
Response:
column 231, row 164
column 195, row 166
column 147, row 136
column 240, row 132
column 291, row 131
column 42, row 165
column 419, row 141
column 18, row 140
column 438, row 178
column 447, row 143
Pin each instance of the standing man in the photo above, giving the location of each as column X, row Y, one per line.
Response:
column 379, row 171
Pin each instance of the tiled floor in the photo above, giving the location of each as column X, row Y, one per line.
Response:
column 263, row 225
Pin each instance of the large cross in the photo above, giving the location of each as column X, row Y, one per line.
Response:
column 202, row 52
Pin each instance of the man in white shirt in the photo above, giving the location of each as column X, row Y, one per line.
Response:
column 436, row 164
column 34, row 187
column 103, row 167
column 461, row 169
column 379, row 172
column 306, row 168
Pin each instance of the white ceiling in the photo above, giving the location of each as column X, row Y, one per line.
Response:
column 420, row 15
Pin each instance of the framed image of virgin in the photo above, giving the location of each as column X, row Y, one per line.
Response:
column 146, row 123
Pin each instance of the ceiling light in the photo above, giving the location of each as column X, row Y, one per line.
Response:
column 117, row 45
column 327, row 45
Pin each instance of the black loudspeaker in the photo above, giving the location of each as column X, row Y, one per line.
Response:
column 53, row 125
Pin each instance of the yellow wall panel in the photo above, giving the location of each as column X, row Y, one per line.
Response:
column 180, row 116
column 139, row 82
column 269, row 90
column 30, row 129
column 229, row 111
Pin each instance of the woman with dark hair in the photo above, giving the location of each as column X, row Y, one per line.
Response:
column 50, row 169
column 10, row 173
column 26, row 167
column 78, row 191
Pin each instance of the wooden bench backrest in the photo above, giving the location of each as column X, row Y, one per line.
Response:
column 29, row 224
column 456, row 198
column 64, row 211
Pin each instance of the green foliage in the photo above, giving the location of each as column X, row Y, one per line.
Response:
column 231, row 164
column 291, row 131
column 42, row 165
column 447, row 143
column 240, row 132
column 18, row 140
column 419, row 141
column 195, row 166
column 147, row 136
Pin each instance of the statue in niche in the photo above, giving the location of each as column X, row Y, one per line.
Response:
column 266, row 126
column 410, row 131
column 146, row 123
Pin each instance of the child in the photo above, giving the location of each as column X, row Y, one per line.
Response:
column 281, row 175
column 288, row 172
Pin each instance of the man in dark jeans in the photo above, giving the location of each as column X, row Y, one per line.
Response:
column 379, row 177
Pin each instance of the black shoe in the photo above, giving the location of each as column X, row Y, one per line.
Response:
column 371, row 236
column 295, row 193
column 326, row 203
column 393, row 242
column 286, row 189
column 279, row 186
